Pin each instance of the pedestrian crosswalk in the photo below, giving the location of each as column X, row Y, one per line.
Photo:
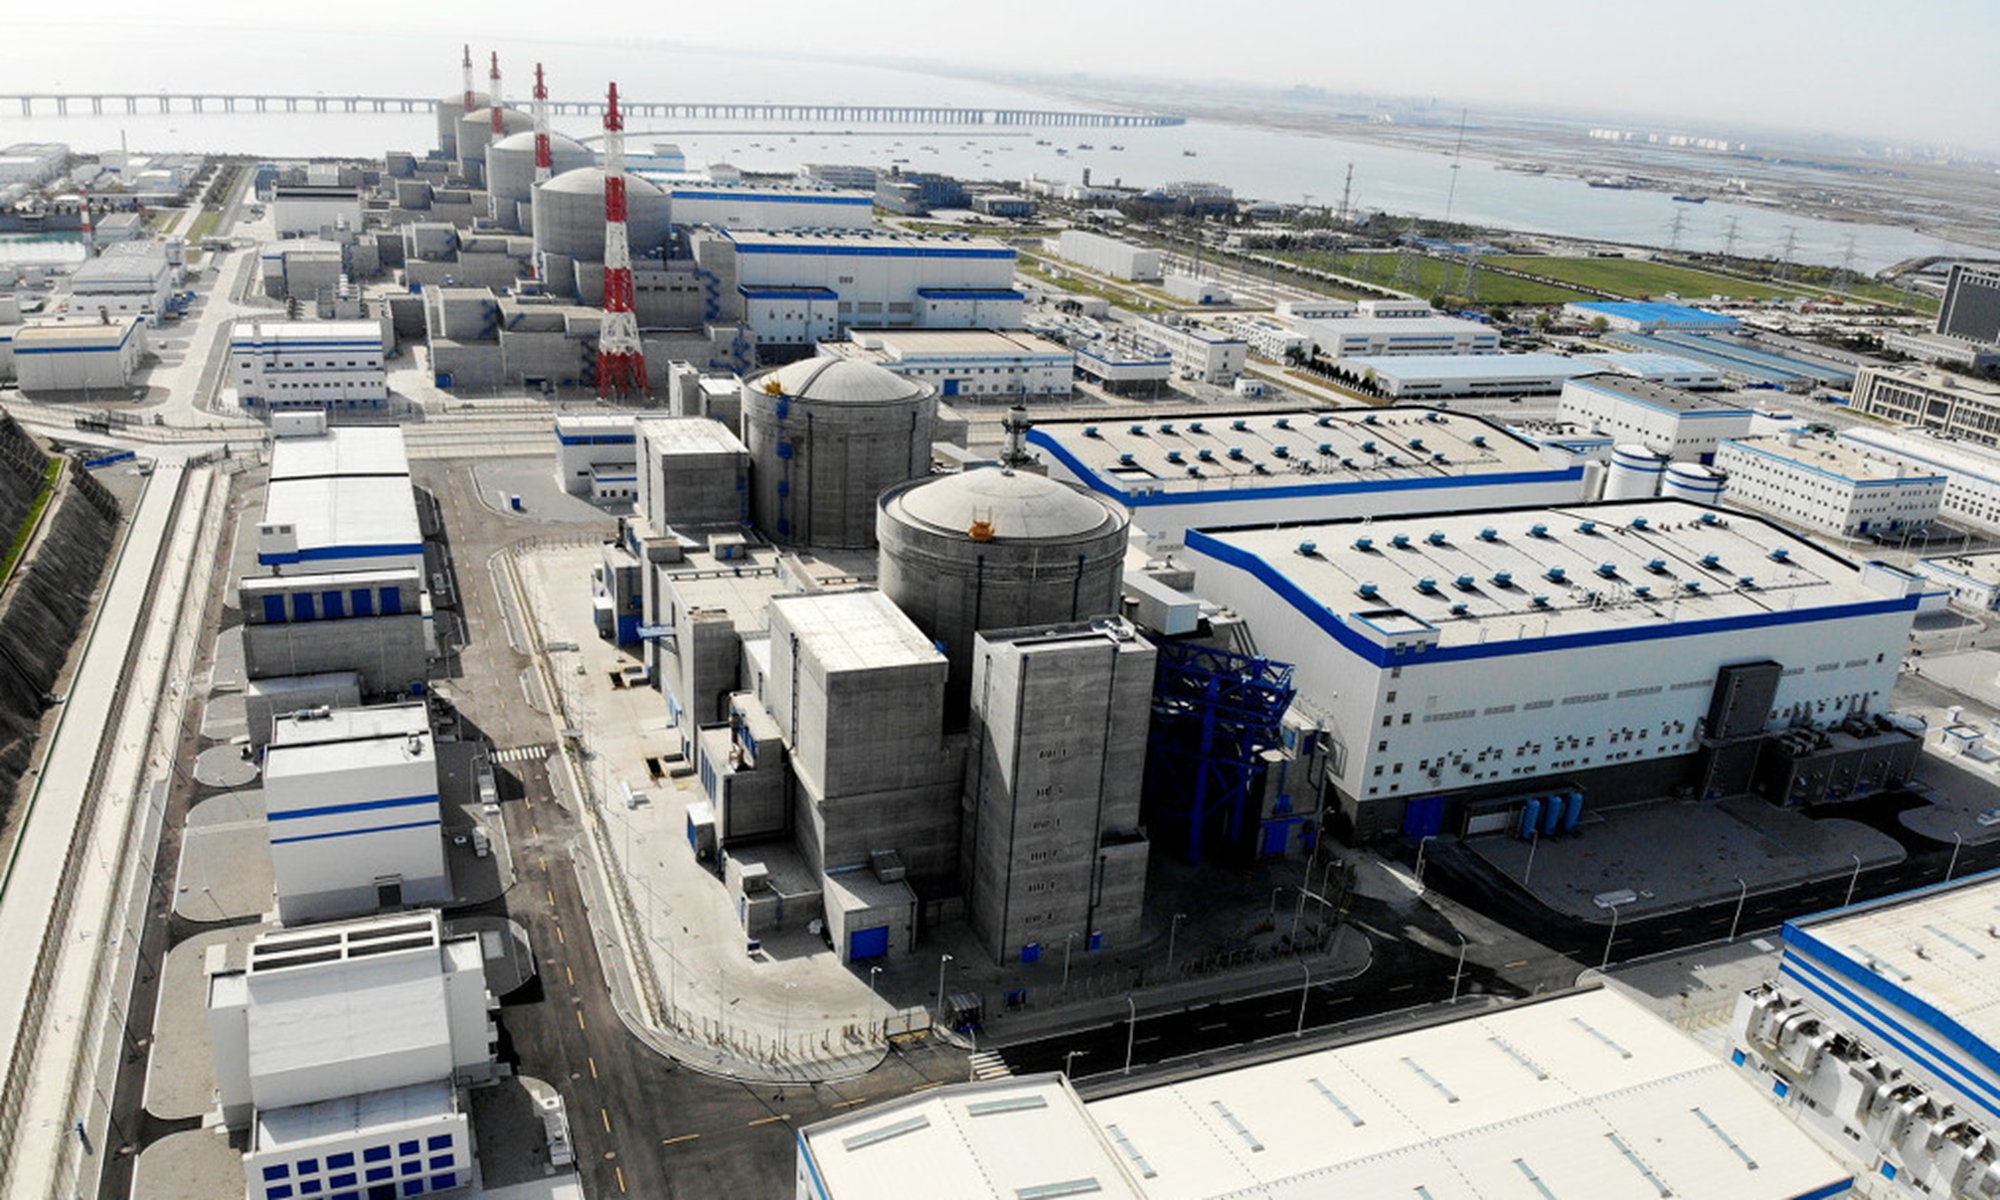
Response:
column 988, row 1065
column 514, row 754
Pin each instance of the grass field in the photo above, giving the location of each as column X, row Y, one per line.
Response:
column 1636, row 278
column 1436, row 277
column 1136, row 299
column 19, row 543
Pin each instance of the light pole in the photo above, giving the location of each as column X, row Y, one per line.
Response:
column 1070, row 1058
column 1069, row 940
column 1305, row 990
column 1957, row 843
column 1609, row 938
column 785, row 1021
column 1852, row 880
column 1422, row 843
column 1742, row 894
column 1534, row 840
column 1174, row 928
column 942, row 960
column 1271, row 911
column 873, row 973
column 1131, row 1028
column 1459, row 974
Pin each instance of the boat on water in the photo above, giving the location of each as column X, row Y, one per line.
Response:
column 1692, row 199
column 1085, row 146
column 1116, row 147
column 1187, row 154
column 1607, row 181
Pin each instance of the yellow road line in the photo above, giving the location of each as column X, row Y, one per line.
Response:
column 851, row 1103
column 674, row 1141
column 579, row 1018
column 621, row 1177
column 593, row 1066
column 606, row 1116
column 769, row 1119
column 925, row 1087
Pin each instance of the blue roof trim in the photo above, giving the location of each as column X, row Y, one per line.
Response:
column 802, row 293
column 837, row 250
column 1837, row 1188
column 1316, row 611
column 327, row 553
column 320, row 837
column 968, row 294
column 100, row 348
column 334, row 810
column 1848, row 479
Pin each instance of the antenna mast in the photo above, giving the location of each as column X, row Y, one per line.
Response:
column 621, row 360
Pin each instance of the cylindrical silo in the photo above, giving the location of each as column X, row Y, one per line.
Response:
column 1635, row 473
column 827, row 436
column 449, row 110
column 475, row 131
column 510, row 170
column 1692, row 481
column 994, row 548
column 569, row 215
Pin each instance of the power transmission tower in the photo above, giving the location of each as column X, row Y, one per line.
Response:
column 1729, row 240
column 1346, row 192
column 1468, row 282
column 1791, row 248
column 1674, row 230
column 1409, row 261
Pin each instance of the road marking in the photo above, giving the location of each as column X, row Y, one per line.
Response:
column 593, row 1065
column 674, row 1141
column 1515, row 965
column 570, row 974
column 1153, row 1037
column 769, row 1119
column 560, row 937
column 579, row 1018
column 552, row 897
column 1402, row 987
column 605, row 1115
column 1277, row 1012
column 925, row 1087
column 851, row 1103
column 621, row 1177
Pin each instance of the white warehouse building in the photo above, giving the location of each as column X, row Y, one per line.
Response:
column 340, row 500
column 343, row 1051
column 72, row 356
column 1109, row 256
column 1247, row 468
column 742, row 206
column 597, row 456
column 1370, row 336
column 351, row 797
column 327, row 365
column 1472, row 655
column 1971, row 471
column 1199, row 354
column 989, row 363
column 1674, row 424
column 1827, row 486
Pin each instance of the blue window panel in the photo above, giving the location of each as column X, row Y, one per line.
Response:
column 280, row 1171
column 309, row 1187
column 408, row 1148
column 375, row 1153
column 375, row 1173
column 343, row 1159
column 340, row 1181
column 440, row 1141
column 1888, row 1170
column 331, row 603
column 345, row 1196
column 443, row 1162
column 1781, row 1089
column 1737, row 1057
column 363, row 602
column 302, row 606
column 413, row 1187
column 447, row 1180
column 392, row 601
column 274, row 610
column 412, row 1165
column 278, row 1191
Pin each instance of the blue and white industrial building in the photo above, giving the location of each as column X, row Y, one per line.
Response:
column 1879, row 1036
column 597, row 456
column 340, row 501
column 1827, row 486
column 977, row 363
column 1469, row 657
column 73, row 356
column 1200, row 354
column 748, row 206
column 1649, row 316
column 1419, row 377
column 331, row 366
column 1366, row 335
column 351, row 800
column 1740, row 361
column 1971, row 470
column 1585, row 1094
column 1244, row 468
column 1678, row 425
column 342, row 1055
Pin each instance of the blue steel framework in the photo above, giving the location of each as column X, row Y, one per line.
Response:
column 1214, row 712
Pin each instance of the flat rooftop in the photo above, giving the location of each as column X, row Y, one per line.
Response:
column 1650, row 364
column 1943, row 380
column 1844, row 460
column 363, row 513
column 61, row 336
column 1736, row 358
column 1921, row 446
column 1460, row 368
column 1218, row 452
column 855, row 631
column 1656, row 313
column 866, row 243
column 916, row 344
column 349, row 728
column 1476, row 576
column 1430, row 326
column 689, row 435
column 305, row 335
column 342, row 452
column 1659, row 395
column 345, row 1116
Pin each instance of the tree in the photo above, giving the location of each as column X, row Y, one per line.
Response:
column 1599, row 324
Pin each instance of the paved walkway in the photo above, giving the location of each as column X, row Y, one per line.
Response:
column 180, row 1064
column 195, row 1164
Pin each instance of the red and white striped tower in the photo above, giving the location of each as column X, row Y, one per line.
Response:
column 621, row 361
column 494, row 88
column 471, row 101
column 545, row 162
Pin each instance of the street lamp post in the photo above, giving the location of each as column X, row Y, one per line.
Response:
column 1534, row 840
column 1305, row 990
column 1852, row 880
column 1271, row 910
column 1742, row 894
column 1608, row 939
column 1458, row 975
column 1422, row 843
column 873, row 973
column 1069, row 940
column 942, row 960
column 1174, row 928
column 1957, row 843
column 1069, row 1058
column 1131, row 1028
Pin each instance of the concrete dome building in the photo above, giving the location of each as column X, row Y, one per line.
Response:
column 569, row 215
column 475, row 132
column 510, row 171
column 828, row 436
column 450, row 110
column 995, row 548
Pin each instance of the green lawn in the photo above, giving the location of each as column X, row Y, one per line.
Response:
column 1637, row 278
column 1136, row 298
column 50, row 474
column 1435, row 277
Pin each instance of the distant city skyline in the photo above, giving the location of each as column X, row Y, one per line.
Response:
column 1843, row 67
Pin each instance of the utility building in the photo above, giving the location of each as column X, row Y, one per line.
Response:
column 1828, row 486
column 78, row 356
column 1053, row 847
column 351, row 796
column 329, row 365
column 1121, row 260
column 1467, row 660
column 1678, row 425
column 343, row 1050
column 692, row 472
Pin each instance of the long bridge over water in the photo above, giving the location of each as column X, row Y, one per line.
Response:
column 99, row 104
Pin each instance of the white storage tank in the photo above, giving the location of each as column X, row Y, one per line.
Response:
column 827, row 436
column 995, row 548
column 510, row 170
column 1635, row 473
column 1692, row 481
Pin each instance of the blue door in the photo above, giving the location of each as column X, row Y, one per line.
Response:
column 332, row 604
column 951, row 387
column 392, row 601
column 274, row 610
column 865, row 944
column 363, row 601
column 1275, row 837
column 302, row 606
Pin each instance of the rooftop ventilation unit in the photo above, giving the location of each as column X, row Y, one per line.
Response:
column 1194, row 470
column 1368, row 447
column 1437, row 456
column 1608, row 570
column 1196, row 427
column 1400, row 541
column 1205, row 454
column 1239, row 425
column 1503, row 579
column 1367, row 591
column 1586, row 527
column 1746, row 581
column 1137, row 431
column 1166, row 427
column 1326, row 448
column 1466, row 583
column 1556, row 574
column 1538, row 531
column 1643, row 591
column 1540, row 601
column 1364, row 544
column 1711, row 560
column 1173, row 456
column 1348, row 463
column 1309, row 549
column 1638, row 522
column 1389, row 460
column 1236, row 453
column 1434, row 415
column 1281, row 451
column 1657, row 566
column 1479, row 440
column 1692, row 585
column 1368, row 418
column 1459, row 610
column 1707, row 518
column 1090, row 431
column 1283, row 423
column 1324, row 422
column 1489, row 534
column 1427, row 586
column 1125, row 460
column 1436, row 537
column 1780, row 554
column 1416, row 443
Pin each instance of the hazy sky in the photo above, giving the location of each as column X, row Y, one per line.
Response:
column 1914, row 71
